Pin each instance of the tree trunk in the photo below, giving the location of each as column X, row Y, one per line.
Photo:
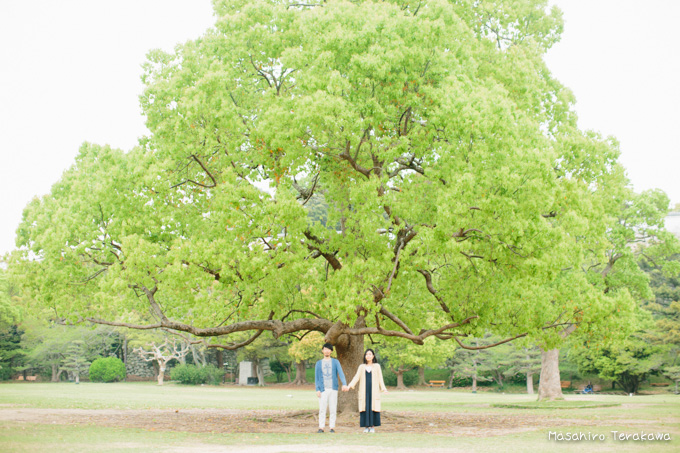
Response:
column 629, row 384
column 161, row 373
column 451, row 379
column 199, row 358
column 350, row 353
column 549, row 381
column 55, row 372
column 125, row 350
column 260, row 374
column 219, row 357
column 421, row 375
column 498, row 377
column 288, row 370
column 530, row 383
column 474, row 384
column 400, row 379
column 300, row 373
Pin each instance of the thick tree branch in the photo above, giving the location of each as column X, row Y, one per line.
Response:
column 475, row 348
column 234, row 346
column 205, row 169
column 345, row 154
column 124, row 324
column 277, row 327
column 610, row 265
column 418, row 339
column 433, row 291
column 330, row 257
column 305, row 194
column 395, row 319
column 214, row 182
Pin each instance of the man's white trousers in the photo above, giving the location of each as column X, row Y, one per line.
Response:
column 329, row 399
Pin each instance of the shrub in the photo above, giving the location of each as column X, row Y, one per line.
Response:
column 213, row 375
column 194, row 375
column 461, row 381
column 6, row 372
column 109, row 369
column 186, row 374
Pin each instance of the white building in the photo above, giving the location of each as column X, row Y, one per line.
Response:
column 673, row 223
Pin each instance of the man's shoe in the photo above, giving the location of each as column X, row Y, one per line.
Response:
column 332, row 430
column 372, row 430
column 366, row 430
column 320, row 430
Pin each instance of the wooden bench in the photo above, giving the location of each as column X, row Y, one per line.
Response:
column 660, row 384
column 436, row 384
column 565, row 384
column 28, row 378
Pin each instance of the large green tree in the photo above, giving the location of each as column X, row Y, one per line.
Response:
column 628, row 363
column 10, row 300
column 635, row 231
column 460, row 194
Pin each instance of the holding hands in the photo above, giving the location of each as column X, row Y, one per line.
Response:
column 345, row 388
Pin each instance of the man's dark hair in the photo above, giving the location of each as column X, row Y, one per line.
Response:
column 327, row 345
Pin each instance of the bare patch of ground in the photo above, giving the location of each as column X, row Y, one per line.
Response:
column 300, row 422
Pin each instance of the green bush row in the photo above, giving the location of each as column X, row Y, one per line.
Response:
column 194, row 375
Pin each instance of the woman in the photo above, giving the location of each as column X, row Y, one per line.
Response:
column 370, row 379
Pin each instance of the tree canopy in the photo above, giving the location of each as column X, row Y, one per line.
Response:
column 460, row 196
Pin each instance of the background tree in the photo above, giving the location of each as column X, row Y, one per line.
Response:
column 10, row 336
column 636, row 229
column 400, row 357
column 280, row 361
column 523, row 360
column 170, row 349
column 466, row 363
column 627, row 362
column 10, row 301
column 11, row 352
column 447, row 155
column 75, row 361
column 673, row 373
column 46, row 344
column 493, row 363
column 665, row 310
column 306, row 349
column 259, row 354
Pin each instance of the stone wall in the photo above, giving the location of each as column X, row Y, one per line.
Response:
column 139, row 369
column 136, row 366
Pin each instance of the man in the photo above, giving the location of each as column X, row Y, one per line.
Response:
column 326, row 375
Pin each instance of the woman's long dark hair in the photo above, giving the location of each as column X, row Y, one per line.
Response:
column 375, row 358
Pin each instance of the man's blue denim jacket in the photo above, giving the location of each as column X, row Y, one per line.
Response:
column 336, row 370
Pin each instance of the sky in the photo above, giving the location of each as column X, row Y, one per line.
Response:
column 70, row 72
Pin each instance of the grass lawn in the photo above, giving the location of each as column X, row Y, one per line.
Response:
column 69, row 417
